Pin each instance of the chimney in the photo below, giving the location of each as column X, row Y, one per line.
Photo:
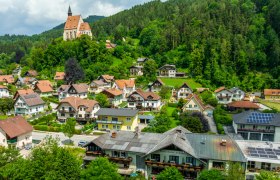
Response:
column 179, row 131
column 114, row 134
column 224, row 142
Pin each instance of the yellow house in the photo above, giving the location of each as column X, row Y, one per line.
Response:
column 272, row 94
column 117, row 119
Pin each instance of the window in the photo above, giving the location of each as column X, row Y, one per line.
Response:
column 251, row 164
column 36, row 109
column 71, row 115
column 114, row 127
column 190, row 106
column 155, row 157
column 123, row 154
column 244, row 135
column 118, row 127
column 63, row 108
column 174, row 159
column 267, row 127
column 114, row 119
column 128, row 119
column 62, row 114
column 255, row 136
column 190, row 160
column 81, row 109
column 195, row 105
column 131, row 104
column 128, row 127
column 4, row 140
column 80, row 115
column 268, row 137
column 265, row 166
column 242, row 126
column 255, row 127
column 70, row 109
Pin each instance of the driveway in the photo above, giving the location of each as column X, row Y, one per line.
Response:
column 212, row 124
column 38, row 135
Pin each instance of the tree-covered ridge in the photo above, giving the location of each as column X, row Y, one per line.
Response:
column 222, row 42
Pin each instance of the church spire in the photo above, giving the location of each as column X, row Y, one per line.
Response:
column 69, row 11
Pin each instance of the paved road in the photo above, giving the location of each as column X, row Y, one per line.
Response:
column 36, row 135
column 212, row 124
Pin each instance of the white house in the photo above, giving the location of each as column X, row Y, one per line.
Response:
column 97, row 86
column 184, row 91
column 76, row 90
column 167, row 70
column 81, row 109
column 4, row 92
column 238, row 94
column 144, row 100
column 115, row 96
column 194, row 104
column 29, row 104
column 223, row 95
column 127, row 86
column 15, row 132
column 156, row 85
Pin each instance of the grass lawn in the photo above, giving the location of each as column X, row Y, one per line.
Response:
column 177, row 82
column 271, row 104
column 169, row 113
column 3, row 117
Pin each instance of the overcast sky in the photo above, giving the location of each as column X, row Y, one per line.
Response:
column 35, row 16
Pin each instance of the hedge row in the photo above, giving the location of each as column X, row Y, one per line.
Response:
column 52, row 129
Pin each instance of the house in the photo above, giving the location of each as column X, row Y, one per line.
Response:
column 184, row 91
column 140, row 99
column 44, row 88
column 260, row 155
column 59, row 76
column 271, row 94
column 151, row 153
column 115, row 96
column 75, row 27
column 23, row 92
column 31, row 73
column 244, row 105
column 141, row 61
column 76, row 90
column 17, row 71
column 82, row 109
column 7, row 79
column 96, row 86
column 156, row 85
column 254, row 125
column 26, row 81
column 117, row 119
column 223, row 95
column 167, row 70
column 109, row 80
column 4, row 92
column 136, row 70
column 127, row 86
column 28, row 104
column 194, row 104
column 110, row 45
column 15, row 132
column 238, row 94
column 145, row 119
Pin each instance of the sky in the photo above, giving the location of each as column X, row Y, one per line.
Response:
column 30, row 17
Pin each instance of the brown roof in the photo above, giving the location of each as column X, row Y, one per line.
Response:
column 113, row 92
column 22, row 92
column 76, row 102
column 85, row 27
column 80, row 88
column 243, row 104
column 220, row 89
column 32, row 73
column 125, row 83
column 3, row 87
column 15, row 126
column 108, row 78
column 72, row 22
column 43, row 86
column 147, row 95
column 59, row 76
column 32, row 99
column 199, row 101
column 271, row 92
column 7, row 79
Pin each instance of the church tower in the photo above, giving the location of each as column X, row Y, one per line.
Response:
column 69, row 11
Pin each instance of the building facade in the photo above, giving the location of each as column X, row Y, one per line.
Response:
column 76, row 90
column 167, row 70
column 126, row 86
column 114, row 96
column 184, row 91
column 272, row 94
column 28, row 104
column 4, row 92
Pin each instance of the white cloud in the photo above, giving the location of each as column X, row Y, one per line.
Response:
column 36, row 16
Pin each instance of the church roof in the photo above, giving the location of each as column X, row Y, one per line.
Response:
column 85, row 27
column 72, row 22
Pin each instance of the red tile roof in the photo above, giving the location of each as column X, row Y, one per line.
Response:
column 76, row 102
column 125, row 83
column 7, row 79
column 113, row 92
column 59, row 76
column 3, row 87
column 32, row 73
column 22, row 92
column 243, row 104
column 146, row 95
column 72, row 22
column 43, row 86
column 220, row 89
column 107, row 78
column 85, row 27
column 271, row 92
column 15, row 126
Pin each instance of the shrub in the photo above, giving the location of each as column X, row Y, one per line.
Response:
column 41, row 127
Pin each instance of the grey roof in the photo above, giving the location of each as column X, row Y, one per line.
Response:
column 168, row 66
column 208, row 146
column 32, row 99
column 116, row 112
column 234, row 89
column 146, row 143
column 146, row 117
column 143, row 59
column 241, row 118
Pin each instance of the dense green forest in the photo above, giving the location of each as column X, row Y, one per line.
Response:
column 217, row 42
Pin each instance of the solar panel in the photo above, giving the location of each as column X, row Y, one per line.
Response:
column 268, row 149
column 270, row 152
column 254, row 155
column 263, row 155
column 278, row 153
column 272, row 156
column 260, row 149
column 253, row 151
column 252, row 148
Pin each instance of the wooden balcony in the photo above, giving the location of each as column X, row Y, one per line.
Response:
column 184, row 167
column 94, row 153
column 120, row 160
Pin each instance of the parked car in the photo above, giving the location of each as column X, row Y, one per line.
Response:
column 81, row 143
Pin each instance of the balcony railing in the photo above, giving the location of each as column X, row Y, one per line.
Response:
column 119, row 160
column 256, row 130
column 186, row 166
column 66, row 111
column 12, row 141
column 94, row 153
column 109, row 122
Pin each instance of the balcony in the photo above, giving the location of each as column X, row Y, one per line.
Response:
column 66, row 111
column 109, row 122
column 120, row 160
column 12, row 141
column 94, row 153
column 256, row 130
column 184, row 167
